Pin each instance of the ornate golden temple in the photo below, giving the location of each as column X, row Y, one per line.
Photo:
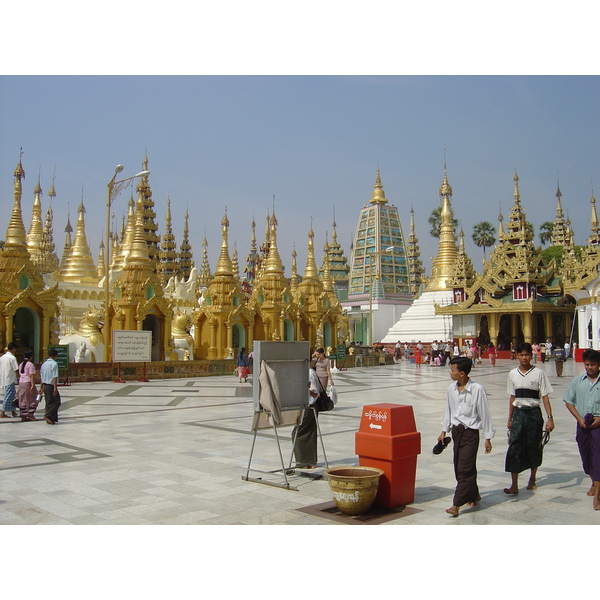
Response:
column 192, row 313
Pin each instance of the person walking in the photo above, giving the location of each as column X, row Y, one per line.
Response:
column 466, row 414
column 492, row 354
column 49, row 377
column 27, row 394
column 8, row 381
column 583, row 398
column 242, row 365
column 529, row 388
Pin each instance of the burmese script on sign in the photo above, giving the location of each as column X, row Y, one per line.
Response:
column 132, row 346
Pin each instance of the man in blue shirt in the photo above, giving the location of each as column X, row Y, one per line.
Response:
column 583, row 398
column 49, row 377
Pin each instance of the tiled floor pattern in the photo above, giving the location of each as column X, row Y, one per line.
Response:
column 175, row 452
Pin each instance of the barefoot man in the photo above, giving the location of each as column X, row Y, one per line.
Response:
column 583, row 398
column 528, row 387
column 467, row 412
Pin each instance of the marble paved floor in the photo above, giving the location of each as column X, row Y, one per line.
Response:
column 174, row 452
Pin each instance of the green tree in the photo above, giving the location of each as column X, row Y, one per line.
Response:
column 483, row 235
column 435, row 221
column 545, row 234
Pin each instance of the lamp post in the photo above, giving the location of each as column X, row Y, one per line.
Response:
column 114, row 189
column 374, row 255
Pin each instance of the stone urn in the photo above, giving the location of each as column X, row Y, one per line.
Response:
column 354, row 488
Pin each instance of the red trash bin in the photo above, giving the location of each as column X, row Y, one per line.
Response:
column 388, row 439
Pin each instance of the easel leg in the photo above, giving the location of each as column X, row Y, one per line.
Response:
column 321, row 437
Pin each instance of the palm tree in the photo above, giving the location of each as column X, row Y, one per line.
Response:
column 435, row 221
column 545, row 234
column 483, row 235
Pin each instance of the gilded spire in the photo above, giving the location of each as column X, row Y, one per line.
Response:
column 500, row 228
column 148, row 214
column 15, row 232
column 36, row 228
column 310, row 272
column 49, row 259
column 138, row 252
column 68, row 243
column 234, row 262
column 326, row 278
column 79, row 265
column 101, row 267
column 560, row 230
column 378, row 196
column 413, row 258
column 186, row 262
column 442, row 266
column 273, row 264
column 252, row 260
column 224, row 265
column 205, row 274
column 445, row 188
column 294, row 277
column 167, row 257
column 594, row 238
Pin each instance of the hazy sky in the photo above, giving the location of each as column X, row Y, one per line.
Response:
column 313, row 142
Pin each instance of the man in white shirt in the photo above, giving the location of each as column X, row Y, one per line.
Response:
column 8, row 380
column 467, row 413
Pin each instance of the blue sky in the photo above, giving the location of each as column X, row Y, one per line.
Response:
column 314, row 142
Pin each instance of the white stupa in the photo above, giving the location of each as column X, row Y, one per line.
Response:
column 420, row 322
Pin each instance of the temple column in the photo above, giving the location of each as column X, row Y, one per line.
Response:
column 548, row 327
column 44, row 334
column 595, row 323
column 514, row 328
column 568, row 326
column 228, row 339
column 582, row 326
column 9, row 330
column 213, row 339
column 493, row 320
column 249, row 337
column 527, row 328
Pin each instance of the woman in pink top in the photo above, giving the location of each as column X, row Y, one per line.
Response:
column 27, row 390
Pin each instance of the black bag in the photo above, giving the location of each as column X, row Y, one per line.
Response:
column 323, row 403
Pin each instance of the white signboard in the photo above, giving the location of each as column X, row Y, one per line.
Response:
column 131, row 346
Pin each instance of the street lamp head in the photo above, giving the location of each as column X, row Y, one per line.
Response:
column 389, row 249
column 119, row 168
column 142, row 174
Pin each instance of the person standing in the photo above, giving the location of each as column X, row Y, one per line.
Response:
column 583, row 398
column 27, row 394
column 466, row 414
column 543, row 350
column 8, row 381
column 529, row 388
column 492, row 354
column 535, row 349
column 304, row 434
column 49, row 377
column 323, row 368
column 567, row 349
column 242, row 365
